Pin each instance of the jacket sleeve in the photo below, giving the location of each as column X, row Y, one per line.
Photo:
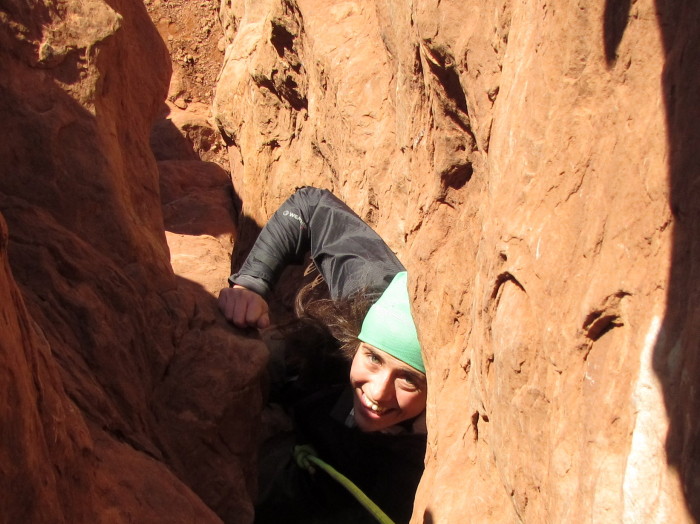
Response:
column 347, row 252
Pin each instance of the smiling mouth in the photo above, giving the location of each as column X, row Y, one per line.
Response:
column 372, row 406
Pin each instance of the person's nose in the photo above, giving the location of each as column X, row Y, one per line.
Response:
column 382, row 389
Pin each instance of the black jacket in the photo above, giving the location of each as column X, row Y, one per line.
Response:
column 347, row 252
column 351, row 257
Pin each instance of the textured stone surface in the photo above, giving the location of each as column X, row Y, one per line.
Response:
column 198, row 211
column 531, row 164
column 127, row 397
column 187, row 134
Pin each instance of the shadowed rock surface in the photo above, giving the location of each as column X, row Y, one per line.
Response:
column 120, row 379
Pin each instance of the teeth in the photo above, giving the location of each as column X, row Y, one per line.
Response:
column 372, row 405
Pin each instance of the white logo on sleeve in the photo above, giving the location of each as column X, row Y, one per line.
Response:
column 288, row 213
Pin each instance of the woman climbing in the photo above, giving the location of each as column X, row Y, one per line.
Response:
column 370, row 428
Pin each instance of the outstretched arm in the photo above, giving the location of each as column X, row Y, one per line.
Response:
column 348, row 253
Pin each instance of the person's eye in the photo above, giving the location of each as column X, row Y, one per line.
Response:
column 409, row 383
column 373, row 358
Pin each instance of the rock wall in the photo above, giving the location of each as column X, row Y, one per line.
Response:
column 531, row 163
column 125, row 397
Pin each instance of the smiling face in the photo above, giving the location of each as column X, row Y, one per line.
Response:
column 386, row 391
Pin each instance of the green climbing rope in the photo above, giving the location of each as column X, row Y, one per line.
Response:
column 306, row 456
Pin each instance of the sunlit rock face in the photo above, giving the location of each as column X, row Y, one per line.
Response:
column 532, row 166
column 125, row 396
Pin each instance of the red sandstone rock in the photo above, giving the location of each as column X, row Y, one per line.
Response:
column 517, row 156
column 187, row 135
column 197, row 202
column 533, row 165
column 130, row 392
column 57, row 466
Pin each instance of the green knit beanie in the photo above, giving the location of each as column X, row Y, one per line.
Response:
column 389, row 325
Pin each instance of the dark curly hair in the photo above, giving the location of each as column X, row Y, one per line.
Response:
column 341, row 319
column 322, row 339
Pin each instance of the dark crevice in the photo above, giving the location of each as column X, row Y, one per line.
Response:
column 676, row 357
column 417, row 63
column 598, row 324
column 467, row 366
column 284, row 91
column 616, row 18
column 475, row 425
column 455, row 107
column 501, row 280
column 443, row 69
column 281, row 38
column 600, row 321
column 228, row 139
column 457, row 176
